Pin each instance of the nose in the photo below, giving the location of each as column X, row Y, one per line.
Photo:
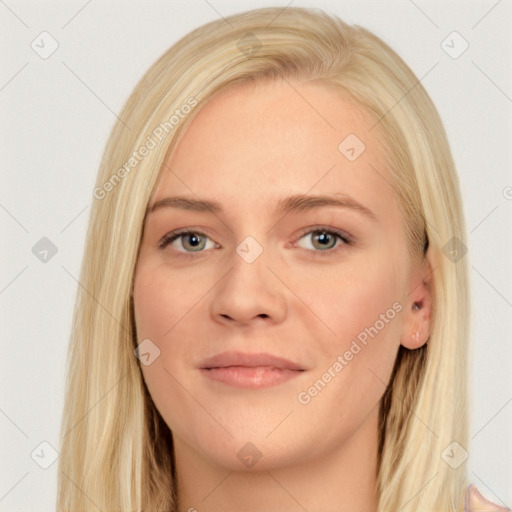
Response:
column 249, row 293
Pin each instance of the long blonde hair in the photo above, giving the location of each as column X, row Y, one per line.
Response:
column 116, row 451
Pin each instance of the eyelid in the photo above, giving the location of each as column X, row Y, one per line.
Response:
column 346, row 239
column 174, row 235
column 330, row 229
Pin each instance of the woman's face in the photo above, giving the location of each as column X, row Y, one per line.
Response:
column 276, row 339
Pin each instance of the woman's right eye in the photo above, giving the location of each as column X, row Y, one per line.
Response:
column 195, row 240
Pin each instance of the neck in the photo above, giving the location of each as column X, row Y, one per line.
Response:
column 342, row 480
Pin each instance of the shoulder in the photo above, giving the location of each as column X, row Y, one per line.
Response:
column 476, row 502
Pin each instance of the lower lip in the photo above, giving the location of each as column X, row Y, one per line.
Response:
column 250, row 377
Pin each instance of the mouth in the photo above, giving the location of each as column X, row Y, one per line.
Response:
column 252, row 371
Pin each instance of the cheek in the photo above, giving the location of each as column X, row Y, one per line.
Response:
column 158, row 309
column 165, row 305
column 355, row 296
column 362, row 304
column 162, row 300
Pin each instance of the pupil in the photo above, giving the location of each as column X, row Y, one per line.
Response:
column 196, row 240
column 323, row 238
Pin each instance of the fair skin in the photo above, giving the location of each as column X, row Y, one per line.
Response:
column 305, row 298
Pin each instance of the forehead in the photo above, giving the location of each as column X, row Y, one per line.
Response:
column 257, row 141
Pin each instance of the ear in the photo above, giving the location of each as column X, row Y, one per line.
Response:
column 418, row 307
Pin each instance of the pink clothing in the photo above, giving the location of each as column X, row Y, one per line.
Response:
column 475, row 502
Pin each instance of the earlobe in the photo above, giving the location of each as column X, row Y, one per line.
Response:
column 417, row 331
column 416, row 338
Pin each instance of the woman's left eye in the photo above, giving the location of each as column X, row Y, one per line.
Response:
column 323, row 239
column 326, row 240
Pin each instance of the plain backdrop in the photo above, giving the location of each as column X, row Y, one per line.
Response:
column 57, row 111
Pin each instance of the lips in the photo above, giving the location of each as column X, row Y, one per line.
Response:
column 227, row 359
column 249, row 370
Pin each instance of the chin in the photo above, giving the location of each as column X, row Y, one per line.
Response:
column 244, row 455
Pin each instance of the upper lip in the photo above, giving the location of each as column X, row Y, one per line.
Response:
column 226, row 359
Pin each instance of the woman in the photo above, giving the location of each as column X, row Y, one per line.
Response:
column 274, row 304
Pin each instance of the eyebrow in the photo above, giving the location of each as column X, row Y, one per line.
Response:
column 295, row 203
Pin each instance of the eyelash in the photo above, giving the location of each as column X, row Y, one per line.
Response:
column 174, row 235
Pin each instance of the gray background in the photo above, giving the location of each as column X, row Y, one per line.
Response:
column 56, row 114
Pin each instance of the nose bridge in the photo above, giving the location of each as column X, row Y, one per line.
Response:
column 249, row 289
column 248, row 266
column 250, row 249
